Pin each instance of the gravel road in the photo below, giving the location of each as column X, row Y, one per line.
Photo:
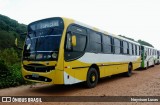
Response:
column 141, row 83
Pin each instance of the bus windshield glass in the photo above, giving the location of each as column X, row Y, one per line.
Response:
column 43, row 40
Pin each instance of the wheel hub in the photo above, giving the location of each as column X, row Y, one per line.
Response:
column 93, row 78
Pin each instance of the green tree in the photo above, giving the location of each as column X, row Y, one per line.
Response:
column 3, row 69
column 9, row 56
column 10, row 66
column 10, row 69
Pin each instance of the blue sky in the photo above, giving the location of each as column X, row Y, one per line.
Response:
column 138, row 19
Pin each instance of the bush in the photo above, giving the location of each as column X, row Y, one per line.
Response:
column 13, row 76
column 3, row 70
column 9, row 56
column 10, row 69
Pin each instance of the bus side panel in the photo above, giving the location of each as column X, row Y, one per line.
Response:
column 81, row 74
column 115, row 68
column 75, row 71
column 108, row 70
column 102, row 70
column 122, row 68
column 136, row 65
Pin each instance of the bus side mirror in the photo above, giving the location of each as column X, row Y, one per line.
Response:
column 74, row 40
column 16, row 44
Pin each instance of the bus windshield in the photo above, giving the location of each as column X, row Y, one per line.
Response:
column 43, row 40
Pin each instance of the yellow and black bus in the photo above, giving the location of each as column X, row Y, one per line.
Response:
column 63, row 51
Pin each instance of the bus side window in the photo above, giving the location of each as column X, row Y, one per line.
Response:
column 125, row 47
column 155, row 52
column 95, row 42
column 74, row 52
column 130, row 48
column 107, row 46
column 81, row 38
column 116, row 46
column 140, row 50
column 68, row 42
column 152, row 52
column 80, row 42
column 135, row 49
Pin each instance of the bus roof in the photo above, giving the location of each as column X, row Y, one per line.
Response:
column 101, row 31
column 90, row 27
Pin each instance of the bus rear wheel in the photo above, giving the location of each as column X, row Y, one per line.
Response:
column 129, row 72
column 92, row 78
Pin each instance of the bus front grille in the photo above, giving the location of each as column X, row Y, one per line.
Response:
column 38, row 68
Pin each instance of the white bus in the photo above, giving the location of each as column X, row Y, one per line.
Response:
column 158, row 57
column 148, row 56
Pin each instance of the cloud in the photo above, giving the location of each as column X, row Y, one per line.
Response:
column 3, row 4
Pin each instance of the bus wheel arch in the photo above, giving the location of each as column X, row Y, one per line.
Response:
column 92, row 76
column 97, row 68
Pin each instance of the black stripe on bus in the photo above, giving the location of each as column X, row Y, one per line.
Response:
column 98, row 65
column 80, row 67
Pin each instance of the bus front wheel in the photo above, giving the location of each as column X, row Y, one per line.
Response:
column 92, row 78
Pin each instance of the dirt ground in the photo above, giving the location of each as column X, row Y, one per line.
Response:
column 141, row 83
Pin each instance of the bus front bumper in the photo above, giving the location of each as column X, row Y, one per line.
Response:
column 52, row 77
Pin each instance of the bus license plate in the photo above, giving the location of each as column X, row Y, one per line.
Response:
column 35, row 75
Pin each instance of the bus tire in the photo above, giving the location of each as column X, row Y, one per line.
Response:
column 92, row 78
column 129, row 72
